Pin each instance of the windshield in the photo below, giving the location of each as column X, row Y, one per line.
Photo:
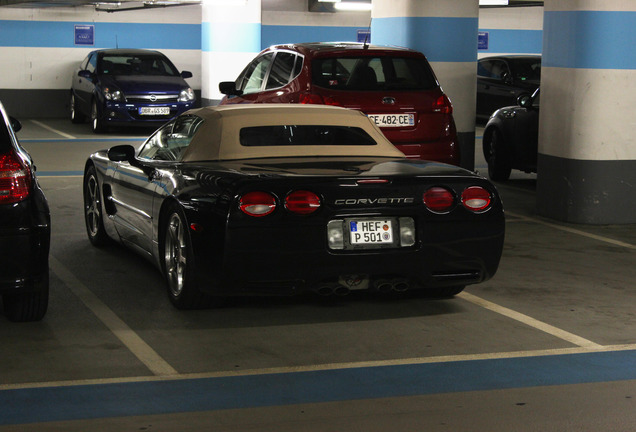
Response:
column 141, row 64
column 373, row 73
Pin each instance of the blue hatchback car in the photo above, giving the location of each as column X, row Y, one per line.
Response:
column 118, row 87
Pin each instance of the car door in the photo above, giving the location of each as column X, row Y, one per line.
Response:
column 85, row 86
column 133, row 189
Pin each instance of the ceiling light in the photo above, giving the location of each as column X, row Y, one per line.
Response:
column 352, row 6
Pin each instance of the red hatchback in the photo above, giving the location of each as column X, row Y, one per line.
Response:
column 395, row 87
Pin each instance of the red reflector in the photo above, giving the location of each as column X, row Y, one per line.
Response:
column 15, row 179
column 302, row 202
column 311, row 98
column 443, row 105
column 476, row 198
column 439, row 199
column 257, row 204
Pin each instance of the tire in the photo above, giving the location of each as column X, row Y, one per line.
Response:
column 178, row 262
column 76, row 115
column 28, row 306
column 498, row 158
column 97, row 124
column 444, row 292
column 93, row 209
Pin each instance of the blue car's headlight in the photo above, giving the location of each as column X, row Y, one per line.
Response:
column 113, row 94
column 186, row 95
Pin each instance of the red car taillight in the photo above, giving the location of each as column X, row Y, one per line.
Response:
column 257, row 204
column 312, row 98
column 438, row 199
column 15, row 179
column 476, row 198
column 443, row 105
column 302, row 202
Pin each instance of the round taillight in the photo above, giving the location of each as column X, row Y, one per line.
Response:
column 302, row 202
column 439, row 199
column 257, row 203
column 476, row 198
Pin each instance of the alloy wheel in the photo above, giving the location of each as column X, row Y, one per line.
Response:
column 175, row 255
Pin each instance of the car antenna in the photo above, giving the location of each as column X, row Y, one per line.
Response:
column 367, row 36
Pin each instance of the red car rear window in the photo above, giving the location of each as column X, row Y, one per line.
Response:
column 304, row 135
column 373, row 73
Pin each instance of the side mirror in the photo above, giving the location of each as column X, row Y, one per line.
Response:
column 122, row 153
column 85, row 74
column 525, row 100
column 15, row 124
column 229, row 88
column 186, row 74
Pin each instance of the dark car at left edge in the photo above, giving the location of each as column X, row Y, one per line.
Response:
column 24, row 230
column 122, row 87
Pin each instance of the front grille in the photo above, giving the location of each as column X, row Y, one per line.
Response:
column 164, row 98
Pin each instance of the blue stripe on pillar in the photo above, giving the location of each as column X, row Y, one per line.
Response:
column 514, row 41
column 440, row 39
column 590, row 39
column 231, row 37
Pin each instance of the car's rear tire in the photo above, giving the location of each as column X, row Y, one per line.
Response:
column 93, row 209
column 498, row 158
column 28, row 306
column 97, row 124
column 76, row 115
column 178, row 262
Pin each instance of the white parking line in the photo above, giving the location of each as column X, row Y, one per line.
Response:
column 49, row 128
column 119, row 328
column 534, row 323
column 575, row 231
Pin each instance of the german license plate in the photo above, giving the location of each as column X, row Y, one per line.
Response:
column 154, row 110
column 393, row 120
column 369, row 232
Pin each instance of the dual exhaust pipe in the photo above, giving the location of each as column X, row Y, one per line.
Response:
column 381, row 285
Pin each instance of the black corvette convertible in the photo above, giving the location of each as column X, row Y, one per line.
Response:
column 282, row 199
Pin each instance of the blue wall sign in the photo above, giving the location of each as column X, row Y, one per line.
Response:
column 84, row 35
column 482, row 40
column 364, row 36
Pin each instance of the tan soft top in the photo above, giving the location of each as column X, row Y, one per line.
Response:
column 218, row 136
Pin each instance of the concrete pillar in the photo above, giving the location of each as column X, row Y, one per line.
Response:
column 586, row 169
column 231, row 37
column 446, row 32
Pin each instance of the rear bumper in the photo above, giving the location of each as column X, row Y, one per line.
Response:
column 288, row 261
column 445, row 150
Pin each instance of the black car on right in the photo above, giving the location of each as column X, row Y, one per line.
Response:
column 511, row 138
column 501, row 79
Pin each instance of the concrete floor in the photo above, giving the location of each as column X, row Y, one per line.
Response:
column 549, row 344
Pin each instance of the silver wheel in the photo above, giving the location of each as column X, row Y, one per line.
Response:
column 93, row 206
column 175, row 255
column 96, row 122
column 93, row 214
column 76, row 114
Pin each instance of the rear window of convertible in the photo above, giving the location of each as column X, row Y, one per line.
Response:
column 293, row 135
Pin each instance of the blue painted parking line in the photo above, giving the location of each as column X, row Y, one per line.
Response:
column 76, row 402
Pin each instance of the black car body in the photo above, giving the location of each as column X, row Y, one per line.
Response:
column 118, row 87
column 511, row 138
column 281, row 199
column 500, row 81
column 24, row 230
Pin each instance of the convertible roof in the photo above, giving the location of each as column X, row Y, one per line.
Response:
column 218, row 137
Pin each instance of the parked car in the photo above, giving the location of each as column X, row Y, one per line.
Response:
column 128, row 87
column 395, row 87
column 24, row 230
column 511, row 138
column 279, row 199
column 501, row 79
